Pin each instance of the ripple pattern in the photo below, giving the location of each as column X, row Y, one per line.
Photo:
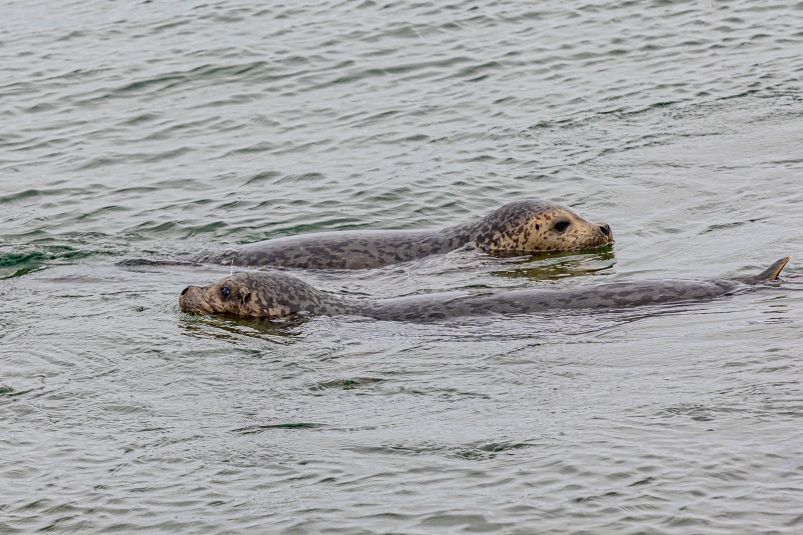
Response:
column 148, row 129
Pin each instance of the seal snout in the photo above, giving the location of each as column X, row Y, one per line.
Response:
column 605, row 230
column 192, row 300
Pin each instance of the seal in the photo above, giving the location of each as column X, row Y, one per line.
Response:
column 523, row 226
column 278, row 295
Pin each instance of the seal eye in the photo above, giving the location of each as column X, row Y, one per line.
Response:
column 560, row 226
column 225, row 292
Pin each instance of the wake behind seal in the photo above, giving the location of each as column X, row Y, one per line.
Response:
column 527, row 226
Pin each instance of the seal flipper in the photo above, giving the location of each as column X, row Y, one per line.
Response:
column 769, row 274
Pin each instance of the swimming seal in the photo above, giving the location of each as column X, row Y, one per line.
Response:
column 277, row 295
column 524, row 226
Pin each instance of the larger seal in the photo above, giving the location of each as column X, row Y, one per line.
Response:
column 277, row 295
column 522, row 226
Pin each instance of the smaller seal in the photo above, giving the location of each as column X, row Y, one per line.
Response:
column 278, row 295
column 519, row 227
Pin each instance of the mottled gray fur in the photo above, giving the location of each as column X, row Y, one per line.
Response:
column 518, row 226
column 272, row 295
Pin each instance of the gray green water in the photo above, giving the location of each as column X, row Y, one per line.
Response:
column 131, row 130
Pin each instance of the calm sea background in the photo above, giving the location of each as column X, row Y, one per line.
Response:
column 146, row 129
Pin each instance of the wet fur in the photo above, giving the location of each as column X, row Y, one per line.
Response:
column 277, row 295
column 526, row 226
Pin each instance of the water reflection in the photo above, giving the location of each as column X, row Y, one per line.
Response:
column 558, row 265
column 280, row 331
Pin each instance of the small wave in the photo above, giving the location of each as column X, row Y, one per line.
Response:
column 260, row 428
column 18, row 264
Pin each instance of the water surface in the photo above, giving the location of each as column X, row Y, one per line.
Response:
column 144, row 130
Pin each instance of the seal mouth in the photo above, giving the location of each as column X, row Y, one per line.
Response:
column 196, row 311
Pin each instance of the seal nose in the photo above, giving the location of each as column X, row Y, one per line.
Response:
column 185, row 290
column 605, row 229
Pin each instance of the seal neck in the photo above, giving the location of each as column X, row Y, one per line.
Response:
column 475, row 232
column 331, row 305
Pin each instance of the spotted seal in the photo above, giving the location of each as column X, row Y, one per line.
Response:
column 523, row 226
column 276, row 295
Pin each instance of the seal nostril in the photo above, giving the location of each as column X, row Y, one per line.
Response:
column 185, row 290
column 605, row 229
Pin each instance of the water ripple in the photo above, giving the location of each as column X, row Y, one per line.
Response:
column 133, row 132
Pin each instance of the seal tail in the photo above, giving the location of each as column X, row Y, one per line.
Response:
column 769, row 274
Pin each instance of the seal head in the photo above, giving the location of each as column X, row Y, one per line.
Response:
column 273, row 295
column 531, row 226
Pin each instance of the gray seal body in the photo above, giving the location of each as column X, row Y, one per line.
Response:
column 277, row 295
column 525, row 226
